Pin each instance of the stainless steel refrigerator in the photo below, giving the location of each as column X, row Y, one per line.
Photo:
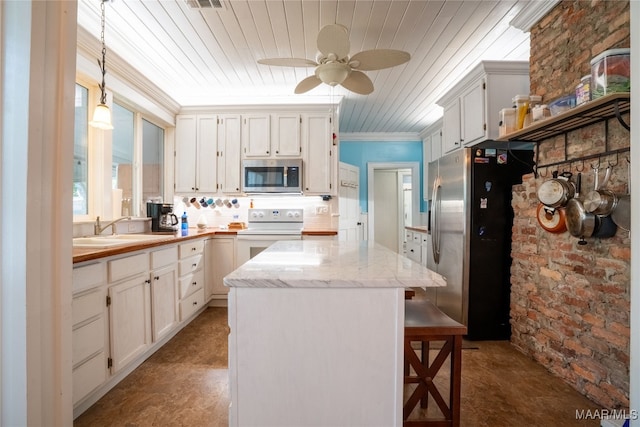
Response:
column 470, row 222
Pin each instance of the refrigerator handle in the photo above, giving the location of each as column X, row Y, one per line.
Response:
column 435, row 222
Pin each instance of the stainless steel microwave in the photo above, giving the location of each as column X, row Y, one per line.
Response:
column 272, row 176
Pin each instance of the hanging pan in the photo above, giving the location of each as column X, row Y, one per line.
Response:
column 551, row 219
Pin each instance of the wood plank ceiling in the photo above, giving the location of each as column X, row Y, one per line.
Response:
column 208, row 56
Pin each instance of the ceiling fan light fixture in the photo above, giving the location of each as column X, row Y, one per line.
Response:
column 333, row 73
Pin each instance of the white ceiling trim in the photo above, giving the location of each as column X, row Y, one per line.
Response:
column 532, row 13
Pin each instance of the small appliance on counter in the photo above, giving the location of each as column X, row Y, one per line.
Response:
column 162, row 217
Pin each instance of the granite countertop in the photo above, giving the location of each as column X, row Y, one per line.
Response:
column 331, row 264
column 419, row 228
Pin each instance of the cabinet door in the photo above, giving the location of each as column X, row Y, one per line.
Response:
column 451, row 127
column 229, row 158
column 185, row 154
column 436, row 145
column 256, row 135
column 317, row 155
column 164, row 301
column 130, row 320
column 286, row 135
column 205, row 159
column 474, row 124
column 221, row 260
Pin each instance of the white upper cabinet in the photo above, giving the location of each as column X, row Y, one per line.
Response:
column 318, row 157
column 256, row 135
column 229, row 152
column 431, row 150
column 472, row 107
column 285, row 137
column 195, row 153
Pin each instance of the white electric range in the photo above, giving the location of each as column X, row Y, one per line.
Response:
column 266, row 226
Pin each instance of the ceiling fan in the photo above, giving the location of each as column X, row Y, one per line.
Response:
column 335, row 67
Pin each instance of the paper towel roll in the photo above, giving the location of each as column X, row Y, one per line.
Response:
column 116, row 202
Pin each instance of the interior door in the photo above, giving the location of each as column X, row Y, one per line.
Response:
column 349, row 226
column 385, row 212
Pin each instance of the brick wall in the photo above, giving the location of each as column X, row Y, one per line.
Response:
column 570, row 303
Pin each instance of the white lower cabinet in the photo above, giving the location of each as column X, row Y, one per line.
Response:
column 130, row 320
column 125, row 307
column 89, row 340
column 164, row 294
column 221, row 260
column 191, row 271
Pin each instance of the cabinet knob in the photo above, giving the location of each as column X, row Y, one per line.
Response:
column 277, row 151
column 194, row 283
column 194, row 265
column 157, row 277
column 267, row 151
column 193, row 249
column 197, row 189
column 193, row 188
column 147, row 281
column 195, row 303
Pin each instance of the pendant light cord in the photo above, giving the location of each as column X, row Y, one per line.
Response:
column 103, row 95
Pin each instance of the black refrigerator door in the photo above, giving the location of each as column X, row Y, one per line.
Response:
column 494, row 172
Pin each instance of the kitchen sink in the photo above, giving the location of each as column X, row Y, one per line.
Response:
column 103, row 242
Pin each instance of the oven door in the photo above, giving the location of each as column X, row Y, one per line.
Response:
column 250, row 245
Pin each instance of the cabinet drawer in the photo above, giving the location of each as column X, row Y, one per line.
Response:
column 191, row 283
column 89, row 276
column 86, row 306
column 191, row 304
column 127, row 267
column 88, row 376
column 414, row 252
column 191, row 248
column 87, row 340
column 190, row 265
column 164, row 257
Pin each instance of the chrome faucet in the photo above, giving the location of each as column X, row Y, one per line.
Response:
column 98, row 228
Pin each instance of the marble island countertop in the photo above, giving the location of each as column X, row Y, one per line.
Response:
column 331, row 264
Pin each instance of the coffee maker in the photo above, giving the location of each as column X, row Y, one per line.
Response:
column 162, row 217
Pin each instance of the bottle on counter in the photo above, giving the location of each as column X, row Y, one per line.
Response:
column 184, row 226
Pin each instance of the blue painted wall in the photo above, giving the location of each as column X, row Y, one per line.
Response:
column 359, row 153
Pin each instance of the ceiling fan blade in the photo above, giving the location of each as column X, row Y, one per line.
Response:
column 307, row 84
column 334, row 38
column 377, row 59
column 288, row 62
column 358, row 82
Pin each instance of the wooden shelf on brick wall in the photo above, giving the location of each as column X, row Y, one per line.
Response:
column 600, row 109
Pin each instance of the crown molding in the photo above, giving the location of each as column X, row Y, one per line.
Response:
column 531, row 13
column 380, row 137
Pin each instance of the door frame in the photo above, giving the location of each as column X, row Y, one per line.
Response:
column 415, row 190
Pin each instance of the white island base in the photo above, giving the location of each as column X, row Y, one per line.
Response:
column 319, row 342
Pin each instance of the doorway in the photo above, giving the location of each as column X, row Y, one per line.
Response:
column 393, row 200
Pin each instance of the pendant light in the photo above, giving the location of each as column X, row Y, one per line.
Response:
column 102, row 114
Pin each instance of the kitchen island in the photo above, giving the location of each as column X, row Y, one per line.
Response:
column 317, row 334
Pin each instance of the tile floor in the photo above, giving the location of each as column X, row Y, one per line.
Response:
column 185, row 383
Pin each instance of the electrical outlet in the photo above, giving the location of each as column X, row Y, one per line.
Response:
column 322, row 210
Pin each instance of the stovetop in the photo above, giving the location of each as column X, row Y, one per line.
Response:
column 274, row 221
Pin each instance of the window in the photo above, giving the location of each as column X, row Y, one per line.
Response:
column 152, row 161
column 81, row 152
column 122, row 174
column 136, row 160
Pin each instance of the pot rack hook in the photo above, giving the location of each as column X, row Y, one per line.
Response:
column 595, row 167
column 582, row 168
column 613, row 164
column 546, row 172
